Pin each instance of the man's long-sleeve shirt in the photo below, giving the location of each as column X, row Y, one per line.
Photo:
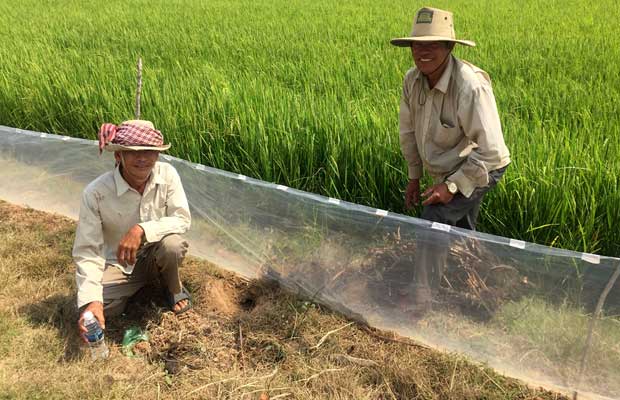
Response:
column 109, row 208
column 453, row 130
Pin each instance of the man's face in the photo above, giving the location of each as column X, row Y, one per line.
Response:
column 428, row 56
column 137, row 165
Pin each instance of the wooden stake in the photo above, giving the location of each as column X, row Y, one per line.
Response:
column 139, row 88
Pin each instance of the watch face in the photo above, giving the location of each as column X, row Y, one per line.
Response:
column 452, row 188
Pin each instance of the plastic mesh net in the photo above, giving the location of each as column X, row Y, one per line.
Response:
column 548, row 316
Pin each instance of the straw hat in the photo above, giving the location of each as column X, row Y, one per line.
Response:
column 431, row 25
column 137, row 135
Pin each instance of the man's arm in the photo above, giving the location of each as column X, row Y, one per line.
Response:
column 89, row 261
column 177, row 219
column 480, row 121
column 408, row 145
column 88, row 252
column 409, row 148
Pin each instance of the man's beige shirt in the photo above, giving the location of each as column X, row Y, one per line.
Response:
column 453, row 130
column 109, row 208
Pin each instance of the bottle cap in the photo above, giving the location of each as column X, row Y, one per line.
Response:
column 88, row 315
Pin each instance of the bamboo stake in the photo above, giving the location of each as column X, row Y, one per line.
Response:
column 139, row 87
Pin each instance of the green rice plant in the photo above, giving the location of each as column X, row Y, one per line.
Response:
column 557, row 335
column 306, row 94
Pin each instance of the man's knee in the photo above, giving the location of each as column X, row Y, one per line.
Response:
column 172, row 250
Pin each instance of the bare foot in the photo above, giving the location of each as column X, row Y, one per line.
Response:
column 179, row 306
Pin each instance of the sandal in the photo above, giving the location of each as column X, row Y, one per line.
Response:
column 182, row 295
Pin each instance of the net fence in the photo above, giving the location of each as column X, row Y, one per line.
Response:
column 548, row 316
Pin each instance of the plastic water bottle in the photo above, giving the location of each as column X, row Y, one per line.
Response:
column 96, row 339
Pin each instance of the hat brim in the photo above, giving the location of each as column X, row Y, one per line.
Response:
column 406, row 41
column 120, row 147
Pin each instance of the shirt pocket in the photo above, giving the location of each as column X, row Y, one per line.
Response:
column 447, row 135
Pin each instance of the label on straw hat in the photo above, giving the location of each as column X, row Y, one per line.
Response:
column 425, row 17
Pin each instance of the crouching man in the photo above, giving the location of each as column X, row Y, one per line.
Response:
column 130, row 223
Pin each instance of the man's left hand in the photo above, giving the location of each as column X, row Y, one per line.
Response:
column 437, row 194
column 129, row 245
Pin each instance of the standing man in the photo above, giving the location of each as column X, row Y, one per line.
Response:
column 449, row 126
column 130, row 223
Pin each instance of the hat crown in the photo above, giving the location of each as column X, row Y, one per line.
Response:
column 433, row 22
column 138, row 133
column 139, row 122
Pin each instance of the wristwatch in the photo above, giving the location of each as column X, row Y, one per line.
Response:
column 452, row 188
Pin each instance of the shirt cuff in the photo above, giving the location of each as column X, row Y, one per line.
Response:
column 150, row 232
column 465, row 185
column 415, row 172
column 84, row 298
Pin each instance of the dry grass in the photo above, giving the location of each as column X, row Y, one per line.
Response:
column 243, row 340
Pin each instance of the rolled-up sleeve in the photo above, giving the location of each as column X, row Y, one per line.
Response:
column 408, row 145
column 479, row 119
column 177, row 217
column 88, row 252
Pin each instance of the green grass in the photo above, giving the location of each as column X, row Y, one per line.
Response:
column 543, row 327
column 535, row 338
column 306, row 94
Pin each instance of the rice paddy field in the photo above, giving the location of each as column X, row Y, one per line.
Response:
column 306, row 94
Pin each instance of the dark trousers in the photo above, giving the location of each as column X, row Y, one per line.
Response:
column 434, row 246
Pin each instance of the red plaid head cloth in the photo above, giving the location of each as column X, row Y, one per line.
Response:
column 131, row 136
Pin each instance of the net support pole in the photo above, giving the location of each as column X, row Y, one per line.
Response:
column 138, row 87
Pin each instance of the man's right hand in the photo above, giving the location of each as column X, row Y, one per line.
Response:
column 96, row 307
column 412, row 194
column 128, row 247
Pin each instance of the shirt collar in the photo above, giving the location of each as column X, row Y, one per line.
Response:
column 122, row 186
column 442, row 85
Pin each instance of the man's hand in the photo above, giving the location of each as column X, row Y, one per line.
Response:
column 437, row 194
column 129, row 245
column 96, row 307
column 412, row 194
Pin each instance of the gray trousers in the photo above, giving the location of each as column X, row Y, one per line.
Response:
column 159, row 260
column 434, row 246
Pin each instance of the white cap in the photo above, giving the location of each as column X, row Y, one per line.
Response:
column 88, row 315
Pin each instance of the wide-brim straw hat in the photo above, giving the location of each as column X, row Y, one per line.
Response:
column 136, row 135
column 431, row 25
